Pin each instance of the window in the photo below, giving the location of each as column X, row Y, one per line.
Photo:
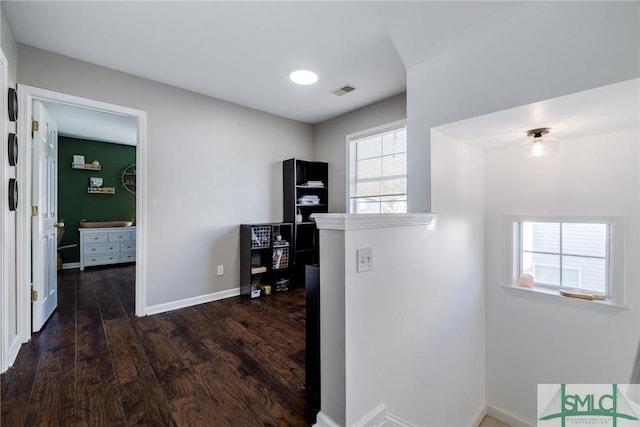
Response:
column 378, row 170
column 564, row 254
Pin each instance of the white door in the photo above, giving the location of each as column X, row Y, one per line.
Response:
column 44, row 223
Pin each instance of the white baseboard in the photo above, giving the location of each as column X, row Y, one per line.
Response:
column 70, row 265
column 375, row 418
column 188, row 302
column 508, row 418
column 479, row 416
column 324, row 420
column 12, row 353
column 379, row 416
column 397, row 421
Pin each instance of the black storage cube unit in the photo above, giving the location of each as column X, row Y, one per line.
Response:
column 265, row 258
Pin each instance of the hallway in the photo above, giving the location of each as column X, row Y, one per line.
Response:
column 231, row 362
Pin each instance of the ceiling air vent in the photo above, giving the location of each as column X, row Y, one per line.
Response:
column 344, row 89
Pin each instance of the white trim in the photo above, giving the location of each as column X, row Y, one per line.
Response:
column 379, row 416
column 397, row 421
column 370, row 221
column 324, row 420
column 188, row 302
column 508, row 418
column 618, row 287
column 70, row 265
column 5, row 353
column 26, row 96
column 545, row 294
column 377, row 129
column 376, row 417
column 479, row 417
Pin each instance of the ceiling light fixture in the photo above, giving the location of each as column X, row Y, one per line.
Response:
column 542, row 143
column 303, row 77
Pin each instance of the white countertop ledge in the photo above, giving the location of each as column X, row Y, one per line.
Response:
column 346, row 222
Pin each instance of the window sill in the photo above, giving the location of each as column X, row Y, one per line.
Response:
column 554, row 296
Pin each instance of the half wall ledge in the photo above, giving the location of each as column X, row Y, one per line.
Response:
column 341, row 221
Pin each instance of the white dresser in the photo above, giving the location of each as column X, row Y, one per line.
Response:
column 100, row 246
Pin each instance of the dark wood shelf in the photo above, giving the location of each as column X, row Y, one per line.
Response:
column 266, row 264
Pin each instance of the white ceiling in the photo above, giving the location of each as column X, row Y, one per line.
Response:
column 95, row 125
column 241, row 51
column 235, row 51
column 597, row 111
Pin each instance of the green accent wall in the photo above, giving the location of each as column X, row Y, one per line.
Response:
column 75, row 204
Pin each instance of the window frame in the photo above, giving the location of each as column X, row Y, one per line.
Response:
column 363, row 134
column 615, row 273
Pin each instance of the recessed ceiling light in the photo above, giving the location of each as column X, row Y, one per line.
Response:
column 303, row 77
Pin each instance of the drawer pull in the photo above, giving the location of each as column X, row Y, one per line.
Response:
column 95, row 238
column 119, row 237
column 93, row 249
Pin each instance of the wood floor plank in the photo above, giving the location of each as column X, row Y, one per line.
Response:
column 17, row 383
column 110, row 307
column 52, row 400
column 234, row 362
column 145, row 404
column 129, row 360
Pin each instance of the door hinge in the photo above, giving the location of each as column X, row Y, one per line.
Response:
column 34, row 211
column 35, row 125
column 34, row 296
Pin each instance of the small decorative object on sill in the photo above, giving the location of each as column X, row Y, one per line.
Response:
column 525, row 281
column 577, row 293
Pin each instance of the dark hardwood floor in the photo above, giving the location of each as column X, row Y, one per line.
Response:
column 234, row 362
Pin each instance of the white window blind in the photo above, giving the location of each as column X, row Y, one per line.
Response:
column 378, row 171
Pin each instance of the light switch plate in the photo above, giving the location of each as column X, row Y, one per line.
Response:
column 365, row 259
column 220, row 270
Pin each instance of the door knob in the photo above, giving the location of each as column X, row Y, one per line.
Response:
column 59, row 224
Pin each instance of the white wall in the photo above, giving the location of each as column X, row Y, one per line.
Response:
column 531, row 340
column 331, row 144
column 10, row 338
column 540, row 51
column 211, row 166
column 415, row 325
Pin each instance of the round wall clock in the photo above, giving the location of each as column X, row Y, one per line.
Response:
column 13, row 194
column 13, row 104
column 12, row 147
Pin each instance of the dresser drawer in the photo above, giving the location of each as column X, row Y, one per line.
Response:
column 111, row 245
column 128, row 246
column 95, row 238
column 123, row 236
column 102, row 259
column 128, row 257
column 101, row 249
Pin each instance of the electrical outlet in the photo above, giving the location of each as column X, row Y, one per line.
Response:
column 365, row 259
column 220, row 270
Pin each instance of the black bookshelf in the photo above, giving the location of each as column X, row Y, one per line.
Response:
column 305, row 192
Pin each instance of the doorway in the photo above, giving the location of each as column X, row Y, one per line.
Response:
column 27, row 97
